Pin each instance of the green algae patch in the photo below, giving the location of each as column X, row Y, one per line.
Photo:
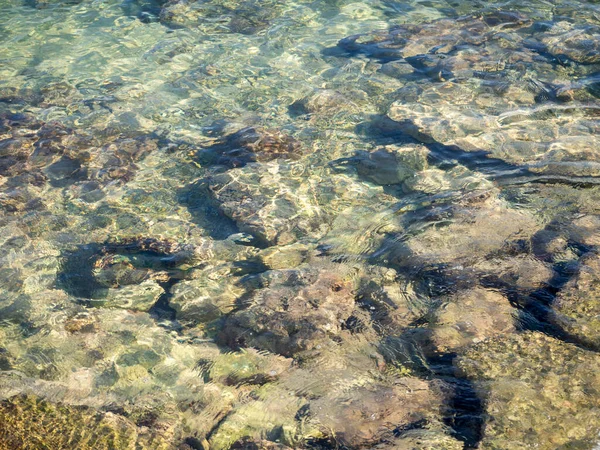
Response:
column 29, row 422
column 539, row 392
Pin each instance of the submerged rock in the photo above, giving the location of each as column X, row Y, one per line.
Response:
column 247, row 367
column 256, row 418
column 294, row 312
column 117, row 159
column 493, row 91
column 422, row 440
column 139, row 297
column 81, row 323
column 210, row 295
column 281, row 203
column 363, row 417
column 470, row 317
column 284, row 257
column 239, row 16
column 329, row 102
column 211, row 289
column 125, row 273
column 313, row 294
column 269, row 202
column 539, row 392
column 257, row 444
column 567, row 41
column 492, row 46
column 388, row 165
column 520, row 272
column 442, row 36
column 36, row 153
column 585, row 231
column 250, row 145
column 387, row 297
column 539, row 141
column 260, row 204
column 460, row 232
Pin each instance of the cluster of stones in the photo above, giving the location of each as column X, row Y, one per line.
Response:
column 34, row 154
column 498, row 83
column 491, row 93
column 241, row 16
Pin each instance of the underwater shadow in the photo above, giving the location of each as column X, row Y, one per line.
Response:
column 381, row 130
column 205, row 211
column 536, row 308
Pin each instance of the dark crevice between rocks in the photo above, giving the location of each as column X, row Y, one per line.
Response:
column 327, row 443
column 76, row 276
column 382, row 130
column 536, row 305
column 205, row 211
column 193, row 443
column 464, row 411
column 216, row 426
column 535, row 308
column 162, row 311
column 249, row 266
column 467, row 420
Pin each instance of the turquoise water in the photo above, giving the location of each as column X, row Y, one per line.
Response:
column 310, row 224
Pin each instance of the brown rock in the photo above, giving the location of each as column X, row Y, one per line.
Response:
column 296, row 311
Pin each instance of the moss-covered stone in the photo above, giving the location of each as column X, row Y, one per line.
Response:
column 29, row 422
column 540, row 393
column 577, row 306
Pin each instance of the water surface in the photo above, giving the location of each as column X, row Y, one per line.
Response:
column 299, row 224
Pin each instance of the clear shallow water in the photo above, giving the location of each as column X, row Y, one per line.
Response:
column 299, row 224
